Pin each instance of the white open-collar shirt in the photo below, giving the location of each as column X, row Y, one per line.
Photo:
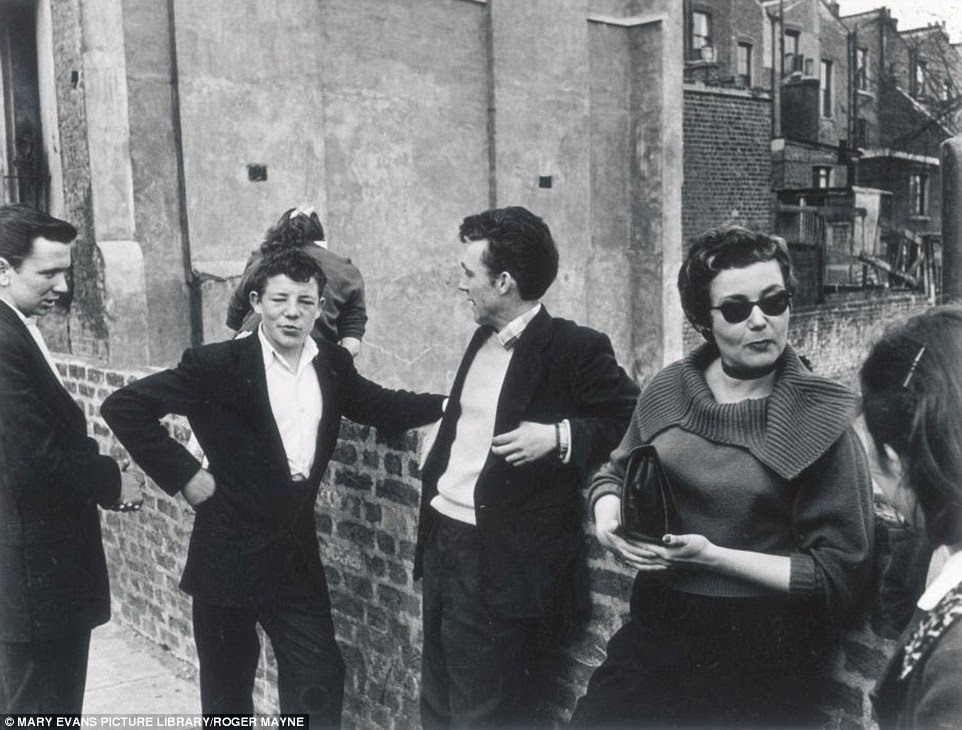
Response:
column 296, row 403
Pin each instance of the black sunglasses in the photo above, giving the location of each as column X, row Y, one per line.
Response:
column 736, row 310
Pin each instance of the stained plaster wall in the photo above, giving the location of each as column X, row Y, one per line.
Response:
column 435, row 111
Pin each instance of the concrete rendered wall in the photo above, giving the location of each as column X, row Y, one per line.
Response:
column 154, row 143
column 82, row 330
column 384, row 130
column 438, row 109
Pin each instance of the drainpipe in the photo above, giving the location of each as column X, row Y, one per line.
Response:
column 778, row 60
column 193, row 282
column 951, row 169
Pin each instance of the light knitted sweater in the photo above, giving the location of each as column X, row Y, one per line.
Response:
column 783, row 475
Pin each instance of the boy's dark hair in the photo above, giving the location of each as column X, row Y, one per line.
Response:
column 20, row 224
column 520, row 243
column 294, row 263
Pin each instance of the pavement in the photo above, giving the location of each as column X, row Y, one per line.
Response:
column 127, row 675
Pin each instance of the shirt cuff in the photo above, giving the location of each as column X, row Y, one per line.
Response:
column 565, row 442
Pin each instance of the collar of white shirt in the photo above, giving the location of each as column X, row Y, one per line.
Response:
column 950, row 577
column 508, row 337
column 29, row 321
column 31, row 324
column 272, row 356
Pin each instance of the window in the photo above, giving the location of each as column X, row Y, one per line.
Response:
column 701, row 36
column 861, row 69
column 24, row 173
column 825, row 88
column 744, row 64
column 822, row 177
column 793, row 61
column 917, row 191
column 921, row 73
column 861, row 132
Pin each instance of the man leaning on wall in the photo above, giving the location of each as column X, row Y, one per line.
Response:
column 53, row 574
column 536, row 403
column 266, row 409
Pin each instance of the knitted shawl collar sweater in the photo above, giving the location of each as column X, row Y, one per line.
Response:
column 788, row 431
column 783, row 474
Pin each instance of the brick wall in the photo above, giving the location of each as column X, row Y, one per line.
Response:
column 366, row 517
column 727, row 159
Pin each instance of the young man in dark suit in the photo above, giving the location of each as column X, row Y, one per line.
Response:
column 53, row 575
column 266, row 410
column 536, row 403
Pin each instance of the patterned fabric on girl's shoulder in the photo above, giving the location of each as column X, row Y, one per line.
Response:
column 931, row 628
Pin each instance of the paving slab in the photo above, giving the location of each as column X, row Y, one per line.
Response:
column 127, row 674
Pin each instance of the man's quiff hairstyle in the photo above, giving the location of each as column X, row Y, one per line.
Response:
column 728, row 247
column 21, row 224
column 520, row 243
column 294, row 263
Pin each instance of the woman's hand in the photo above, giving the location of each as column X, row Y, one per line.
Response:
column 607, row 521
column 687, row 549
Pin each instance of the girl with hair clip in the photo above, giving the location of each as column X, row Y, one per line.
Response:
column 912, row 398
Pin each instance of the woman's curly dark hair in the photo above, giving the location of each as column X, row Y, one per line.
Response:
column 730, row 247
column 293, row 230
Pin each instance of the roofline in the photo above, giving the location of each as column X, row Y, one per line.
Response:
column 924, row 28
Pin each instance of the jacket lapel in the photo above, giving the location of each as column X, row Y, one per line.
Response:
column 331, row 408
column 255, row 394
column 437, row 460
column 524, row 373
column 56, row 395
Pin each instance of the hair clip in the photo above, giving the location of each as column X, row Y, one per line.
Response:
column 915, row 364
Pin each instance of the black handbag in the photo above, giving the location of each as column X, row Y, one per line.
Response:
column 647, row 504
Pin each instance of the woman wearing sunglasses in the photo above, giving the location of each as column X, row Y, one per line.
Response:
column 733, row 614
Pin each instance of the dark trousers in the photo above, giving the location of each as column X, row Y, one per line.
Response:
column 310, row 670
column 479, row 669
column 44, row 677
column 693, row 661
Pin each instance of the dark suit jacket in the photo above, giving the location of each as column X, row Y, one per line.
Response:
column 930, row 697
column 528, row 516
column 255, row 520
column 53, row 576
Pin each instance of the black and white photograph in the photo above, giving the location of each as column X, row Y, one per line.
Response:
column 481, row 364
